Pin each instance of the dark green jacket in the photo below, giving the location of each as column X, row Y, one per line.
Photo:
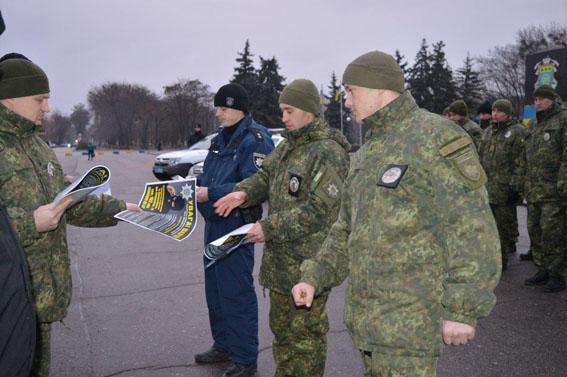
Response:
column 473, row 129
column 544, row 162
column 415, row 234
column 31, row 176
column 303, row 181
column 501, row 152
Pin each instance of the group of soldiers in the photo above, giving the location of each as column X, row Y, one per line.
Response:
column 408, row 218
column 525, row 163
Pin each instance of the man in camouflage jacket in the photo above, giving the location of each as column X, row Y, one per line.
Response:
column 415, row 234
column 302, row 180
column 500, row 151
column 459, row 113
column 545, row 189
column 30, row 178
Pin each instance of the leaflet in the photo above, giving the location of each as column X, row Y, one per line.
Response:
column 95, row 181
column 168, row 208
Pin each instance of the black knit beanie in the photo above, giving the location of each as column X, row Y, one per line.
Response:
column 485, row 108
column 21, row 78
column 233, row 96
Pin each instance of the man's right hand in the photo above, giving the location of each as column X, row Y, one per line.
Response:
column 227, row 203
column 303, row 294
column 47, row 217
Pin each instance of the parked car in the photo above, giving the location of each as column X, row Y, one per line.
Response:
column 189, row 161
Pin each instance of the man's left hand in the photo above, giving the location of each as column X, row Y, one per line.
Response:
column 202, row 194
column 456, row 333
column 255, row 234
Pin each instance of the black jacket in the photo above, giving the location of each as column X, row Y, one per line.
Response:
column 17, row 316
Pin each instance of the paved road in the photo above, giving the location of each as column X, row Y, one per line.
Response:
column 138, row 306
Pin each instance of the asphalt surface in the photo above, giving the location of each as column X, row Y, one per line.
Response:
column 138, row 306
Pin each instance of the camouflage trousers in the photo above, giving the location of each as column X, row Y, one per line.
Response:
column 300, row 336
column 546, row 227
column 507, row 223
column 42, row 357
column 381, row 365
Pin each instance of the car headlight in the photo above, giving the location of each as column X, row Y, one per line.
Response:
column 174, row 161
column 196, row 169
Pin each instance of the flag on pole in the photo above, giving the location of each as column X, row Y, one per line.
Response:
column 338, row 95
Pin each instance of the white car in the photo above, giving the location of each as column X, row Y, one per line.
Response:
column 188, row 161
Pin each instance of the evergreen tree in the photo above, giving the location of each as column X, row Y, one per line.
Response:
column 270, row 84
column 245, row 73
column 418, row 77
column 333, row 101
column 470, row 87
column 403, row 64
column 440, row 80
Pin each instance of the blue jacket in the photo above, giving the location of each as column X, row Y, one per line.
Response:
column 228, row 164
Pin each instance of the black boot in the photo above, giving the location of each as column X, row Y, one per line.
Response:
column 212, row 356
column 527, row 255
column 241, row 370
column 555, row 284
column 540, row 278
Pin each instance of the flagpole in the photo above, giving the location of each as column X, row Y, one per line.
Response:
column 341, row 106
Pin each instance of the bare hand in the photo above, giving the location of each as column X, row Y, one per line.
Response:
column 202, row 194
column 303, row 294
column 456, row 333
column 133, row 207
column 227, row 203
column 255, row 234
column 47, row 217
column 70, row 178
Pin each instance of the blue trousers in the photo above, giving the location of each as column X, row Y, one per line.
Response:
column 233, row 305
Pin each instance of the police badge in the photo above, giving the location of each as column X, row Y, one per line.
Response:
column 50, row 168
column 258, row 159
column 229, row 101
column 294, row 185
column 508, row 134
column 546, row 136
column 392, row 176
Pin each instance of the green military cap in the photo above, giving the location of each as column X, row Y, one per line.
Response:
column 459, row 107
column 303, row 94
column 545, row 91
column 503, row 105
column 375, row 70
column 445, row 110
column 21, row 78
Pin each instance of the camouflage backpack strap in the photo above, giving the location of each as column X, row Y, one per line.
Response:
column 461, row 153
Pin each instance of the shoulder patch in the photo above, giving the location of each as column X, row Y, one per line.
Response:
column 454, row 146
column 258, row 159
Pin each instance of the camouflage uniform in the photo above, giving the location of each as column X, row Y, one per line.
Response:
column 302, row 180
column 31, row 176
column 500, row 153
column 545, row 188
column 473, row 129
column 415, row 236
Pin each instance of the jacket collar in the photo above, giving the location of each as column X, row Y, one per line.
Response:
column 550, row 111
column 391, row 115
column 311, row 132
column 10, row 122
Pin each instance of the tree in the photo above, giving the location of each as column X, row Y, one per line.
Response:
column 418, row 77
column 440, row 80
column 270, row 84
column 334, row 105
column 245, row 74
column 400, row 59
column 469, row 85
column 58, row 128
column 117, row 112
column 80, row 118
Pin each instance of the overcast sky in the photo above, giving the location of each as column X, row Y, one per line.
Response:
column 82, row 43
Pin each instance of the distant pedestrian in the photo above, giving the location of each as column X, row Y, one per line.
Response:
column 91, row 151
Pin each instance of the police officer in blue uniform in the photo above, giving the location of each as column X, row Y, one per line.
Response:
column 236, row 153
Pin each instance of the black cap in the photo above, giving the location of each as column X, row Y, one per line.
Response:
column 233, row 96
column 485, row 108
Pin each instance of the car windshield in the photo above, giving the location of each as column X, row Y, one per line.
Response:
column 203, row 144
